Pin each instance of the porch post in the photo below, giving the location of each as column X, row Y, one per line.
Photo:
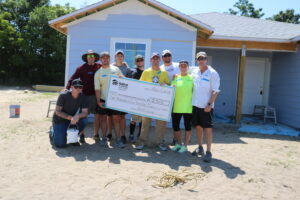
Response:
column 240, row 87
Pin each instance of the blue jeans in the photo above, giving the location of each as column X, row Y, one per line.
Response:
column 60, row 132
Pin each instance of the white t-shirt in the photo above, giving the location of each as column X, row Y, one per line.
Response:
column 204, row 84
column 171, row 69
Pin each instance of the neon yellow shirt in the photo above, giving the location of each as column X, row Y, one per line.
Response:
column 101, row 79
column 155, row 76
column 184, row 93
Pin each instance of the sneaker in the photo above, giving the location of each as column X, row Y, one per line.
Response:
column 174, row 142
column 123, row 139
column 183, row 149
column 177, row 147
column 198, row 151
column 81, row 138
column 120, row 144
column 103, row 141
column 208, row 157
column 162, row 147
column 140, row 146
column 96, row 138
column 131, row 138
column 109, row 137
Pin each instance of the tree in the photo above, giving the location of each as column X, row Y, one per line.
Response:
column 246, row 9
column 31, row 51
column 288, row 16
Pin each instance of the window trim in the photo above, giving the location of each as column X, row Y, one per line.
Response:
column 147, row 42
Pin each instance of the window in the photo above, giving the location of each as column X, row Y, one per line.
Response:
column 131, row 48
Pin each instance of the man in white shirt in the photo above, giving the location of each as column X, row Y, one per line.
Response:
column 206, row 89
column 172, row 68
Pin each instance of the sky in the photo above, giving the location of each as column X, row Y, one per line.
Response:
column 270, row 7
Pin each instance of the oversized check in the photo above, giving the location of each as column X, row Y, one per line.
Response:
column 140, row 98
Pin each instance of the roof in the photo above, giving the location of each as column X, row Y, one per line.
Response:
column 232, row 27
column 101, row 5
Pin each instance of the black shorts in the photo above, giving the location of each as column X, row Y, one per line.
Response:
column 106, row 111
column 187, row 117
column 202, row 118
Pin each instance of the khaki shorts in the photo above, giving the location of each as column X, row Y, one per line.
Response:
column 136, row 118
column 92, row 104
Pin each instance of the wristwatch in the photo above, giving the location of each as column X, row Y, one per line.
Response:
column 209, row 104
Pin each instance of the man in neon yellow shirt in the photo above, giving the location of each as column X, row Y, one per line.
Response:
column 182, row 106
column 101, row 84
column 154, row 75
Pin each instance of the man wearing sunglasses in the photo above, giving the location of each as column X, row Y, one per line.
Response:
column 173, row 69
column 86, row 73
column 71, row 108
column 154, row 75
column 205, row 91
column 137, row 73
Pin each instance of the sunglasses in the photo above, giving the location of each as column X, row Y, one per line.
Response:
column 90, row 56
column 139, row 60
column 78, row 87
column 201, row 58
column 167, row 55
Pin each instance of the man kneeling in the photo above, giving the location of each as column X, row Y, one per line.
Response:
column 71, row 108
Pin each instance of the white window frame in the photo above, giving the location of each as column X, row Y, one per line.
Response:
column 147, row 42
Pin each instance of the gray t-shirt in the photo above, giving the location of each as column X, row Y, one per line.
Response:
column 126, row 71
column 70, row 105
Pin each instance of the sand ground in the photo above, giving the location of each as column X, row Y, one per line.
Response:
column 245, row 166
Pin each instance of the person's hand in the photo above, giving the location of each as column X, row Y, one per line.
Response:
column 162, row 84
column 64, row 90
column 75, row 119
column 173, row 85
column 174, row 76
column 207, row 108
column 101, row 104
column 121, row 76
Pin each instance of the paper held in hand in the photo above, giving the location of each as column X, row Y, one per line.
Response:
column 140, row 98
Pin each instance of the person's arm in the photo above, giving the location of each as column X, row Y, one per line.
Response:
column 97, row 89
column 74, row 76
column 84, row 111
column 215, row 85
column 61, row 114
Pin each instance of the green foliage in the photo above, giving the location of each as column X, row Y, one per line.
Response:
column 288, row 16
column 244, row 8
column 31, row 51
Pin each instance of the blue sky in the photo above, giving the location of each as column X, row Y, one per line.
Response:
column 270, row 7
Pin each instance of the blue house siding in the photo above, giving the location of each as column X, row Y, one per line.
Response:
column 285, row 87
column 96, row 35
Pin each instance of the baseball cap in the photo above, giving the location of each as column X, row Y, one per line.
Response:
column 104, row 53
column 77, row 82
column 166, row 51
column 201, row 54
column 155, row 54
column 119, row 51
column 184, row 62
column 138, row 57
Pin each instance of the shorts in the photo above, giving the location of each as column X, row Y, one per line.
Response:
column 106, row 111
column 201, row 118
column 92, row 104
column 136, row 118
column 187, row 117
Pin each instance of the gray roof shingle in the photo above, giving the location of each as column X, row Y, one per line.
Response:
column 239, row 27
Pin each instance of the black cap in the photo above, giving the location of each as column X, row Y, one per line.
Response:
column 77, row 82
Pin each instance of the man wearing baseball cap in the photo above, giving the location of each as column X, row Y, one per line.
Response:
column 71, row 108
column 173, row 69
column 154, row 75
column 86, row 73
column 205, row 91
column 101, row 86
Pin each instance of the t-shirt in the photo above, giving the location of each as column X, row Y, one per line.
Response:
column 102, row 77
column 183, row 95
column 86, row 74
column 126, row 71
column 155, row 76
column 137, row 73
column 70, row 105
column 172, row 70
column 204, row 84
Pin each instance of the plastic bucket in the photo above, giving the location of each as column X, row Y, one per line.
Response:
column 14, row 111
column 72, row 135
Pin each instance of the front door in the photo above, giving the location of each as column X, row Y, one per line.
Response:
column 256, row 84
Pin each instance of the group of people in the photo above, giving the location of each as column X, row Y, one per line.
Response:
column 196, row 92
